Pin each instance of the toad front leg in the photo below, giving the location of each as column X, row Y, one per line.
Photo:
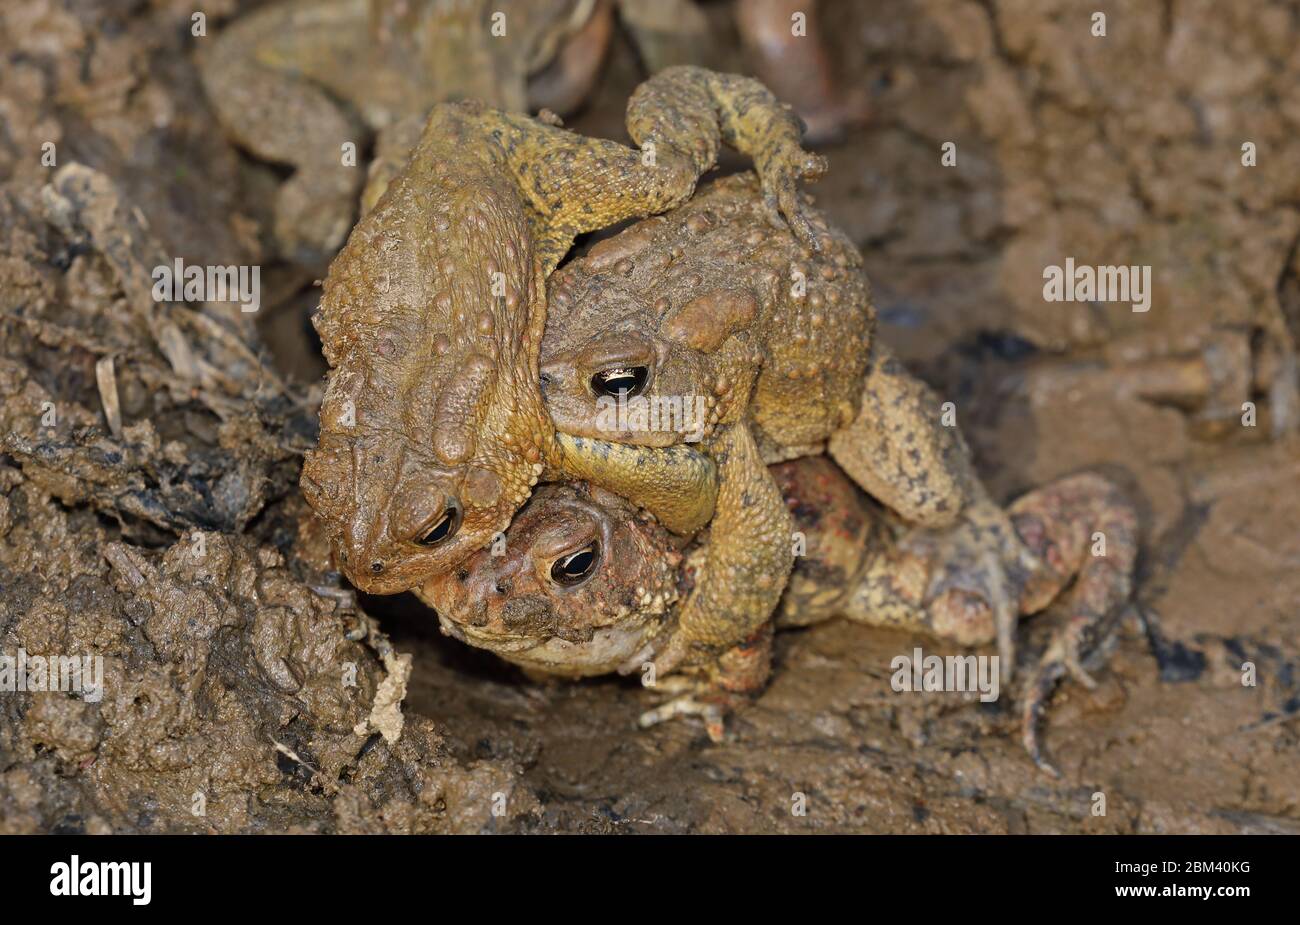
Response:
column 714, row 689
column 677, row 484
column 749, row 557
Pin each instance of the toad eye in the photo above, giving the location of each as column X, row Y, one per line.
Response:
column 620, row 381
column 443, row 528
column 576, row 567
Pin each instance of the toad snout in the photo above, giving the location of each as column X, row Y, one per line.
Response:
column 531, row 616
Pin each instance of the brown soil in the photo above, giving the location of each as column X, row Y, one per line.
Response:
column 169, row 546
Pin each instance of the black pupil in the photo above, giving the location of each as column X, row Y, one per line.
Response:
column 625, row 381
column 441, row 530
column 574, row 567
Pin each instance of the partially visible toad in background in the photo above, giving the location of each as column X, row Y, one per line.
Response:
column 293, row 82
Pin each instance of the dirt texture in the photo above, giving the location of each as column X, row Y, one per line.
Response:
column 155, row 519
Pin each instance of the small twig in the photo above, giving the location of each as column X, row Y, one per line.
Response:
column 106, row 379
column 293, row 756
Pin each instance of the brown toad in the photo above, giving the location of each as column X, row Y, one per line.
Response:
column 433, row 430
column 293, row 82
column 583, row 581
column 713, row 325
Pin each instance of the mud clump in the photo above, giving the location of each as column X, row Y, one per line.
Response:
column 149, row 527
column 235, row 698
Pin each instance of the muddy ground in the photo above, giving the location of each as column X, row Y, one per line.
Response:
column 167, row 541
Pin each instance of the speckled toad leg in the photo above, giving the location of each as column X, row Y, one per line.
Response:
column 678, row 119
column 938, row 582
column 748, row 563
column 1081, row 527
column 948, row 583
column 900, row 451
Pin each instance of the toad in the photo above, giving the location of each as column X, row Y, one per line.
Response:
column 293, row 82
column 712, row 328
column 433, row 429
column 584, row 579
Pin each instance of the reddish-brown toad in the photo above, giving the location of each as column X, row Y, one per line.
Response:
column 582, row 582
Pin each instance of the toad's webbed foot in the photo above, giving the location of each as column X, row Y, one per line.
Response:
column 695, row 700
column 711, row 691
column 1080, row 528
column 689, row 110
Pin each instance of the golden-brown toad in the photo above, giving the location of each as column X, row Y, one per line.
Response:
column 433, row 430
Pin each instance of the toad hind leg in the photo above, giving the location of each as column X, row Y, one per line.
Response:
column 1081, row 527
column 570, row 183
column 900, row 451
column 937, row 582
column 952, row 584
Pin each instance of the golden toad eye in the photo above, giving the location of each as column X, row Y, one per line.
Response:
column 444, row 528
column 620, row 381
column 576, row 567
